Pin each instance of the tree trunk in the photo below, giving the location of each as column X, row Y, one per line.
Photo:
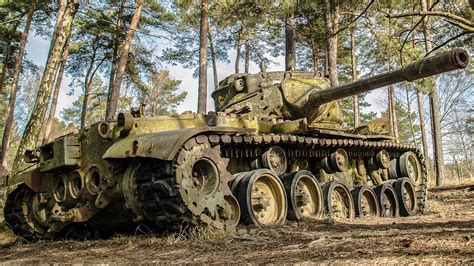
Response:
column 315, row 54
column 87, row 87
column 87, row 90
column 57, row 88
column 115, row 41
column 5, row 67
column 14, row 88
column 355, row 98
column 247, row 54
column 434, row 106
column 326, row 62
column 33, row 127
column 115, row 92
column 421, row 117
column 238, row 48
column 412, row 127
column 290, row 54
column 332, row 23
column 202, row 96
column 214, row 64
column 392, row 113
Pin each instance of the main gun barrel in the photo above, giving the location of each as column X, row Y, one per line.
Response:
column 448, row 61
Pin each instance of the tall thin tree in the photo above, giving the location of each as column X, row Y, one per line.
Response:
column 238, row 50
column 290, row 53
column 202, row 90
column 114, row 94
column 434, row 105
column 355, row 98
column 34, row 125
column 14, row 88
column 54, row 101
column 332, row 24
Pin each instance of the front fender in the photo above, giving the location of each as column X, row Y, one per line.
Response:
column 33, row 179
column 160, row 145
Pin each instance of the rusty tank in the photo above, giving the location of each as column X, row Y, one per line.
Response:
column 273, row 151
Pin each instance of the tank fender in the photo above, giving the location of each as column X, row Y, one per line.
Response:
column 33, row 179
column 160, row 145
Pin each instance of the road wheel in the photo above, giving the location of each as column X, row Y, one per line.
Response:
column 405, row 189
column 387, row 200
column 304, row 195
column 338, row 200
column 365, row 202
column 262, row 199
column 409, row 166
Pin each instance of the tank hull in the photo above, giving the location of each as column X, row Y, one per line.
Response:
column 127, row 183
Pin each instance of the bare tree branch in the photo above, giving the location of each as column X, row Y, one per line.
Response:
column 434, row 13
column 448, row 41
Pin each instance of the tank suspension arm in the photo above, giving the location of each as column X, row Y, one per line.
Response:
column 448, row 61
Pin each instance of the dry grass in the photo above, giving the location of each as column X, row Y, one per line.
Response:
column 444, row 234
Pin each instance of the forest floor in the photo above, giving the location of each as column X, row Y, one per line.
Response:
column 444, row 234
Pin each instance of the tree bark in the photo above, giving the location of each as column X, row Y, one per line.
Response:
column 290, row 54
column 238, row 52
column 421, row 117
column 54, row 102
column 247, row 54
column 87, row 89
column 14, row 88
column 332, row 23
column 115, row 92
column 434, row 105
column 315, row 53
column 202, row 95
column 355, row 98
column 326, row 61
column 392, row 113
column 32, row 131
column 115, row 41
column 412, row 127
column 5, row 67
column 213, row 58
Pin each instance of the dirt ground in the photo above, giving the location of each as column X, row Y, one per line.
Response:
column 444, row 234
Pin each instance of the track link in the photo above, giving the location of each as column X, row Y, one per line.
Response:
column 15, row 217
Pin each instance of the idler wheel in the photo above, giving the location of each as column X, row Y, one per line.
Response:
column 409, row 166
column 304, row 195
column 365, row 202
column 405, row 189
column 338, row 200
column 262, row 198
column 387, row 200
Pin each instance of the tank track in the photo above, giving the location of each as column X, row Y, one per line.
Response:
column 27, row 228
column 15, row 218
column 159, row 195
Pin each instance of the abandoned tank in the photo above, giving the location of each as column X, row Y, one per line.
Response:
column 273, row 150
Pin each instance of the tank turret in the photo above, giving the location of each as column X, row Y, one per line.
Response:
column 297, row 95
